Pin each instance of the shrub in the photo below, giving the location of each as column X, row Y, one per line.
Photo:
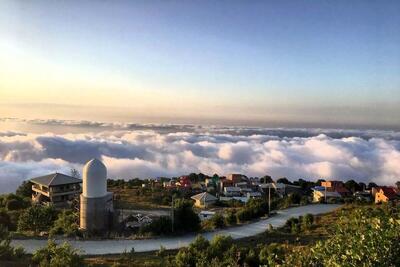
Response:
column 7, row 252
column 185, row 219
column 231, row 218
column 218, row 221
column 57, row 256
column 160, row 226
column 363, row 237
column 37, row 218
column 66, row 224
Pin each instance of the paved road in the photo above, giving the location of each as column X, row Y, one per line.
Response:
column 100, row 247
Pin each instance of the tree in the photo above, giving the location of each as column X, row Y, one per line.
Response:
column 283, row 180
column 5, row 220
column 66, row 224
column 352, row 186
column 218, row 221
column 37, row 218
column 25, row 189
column 266, row 179
column 54, row 255
column 75, row 173
column 398, row 185
column 371, row 185
column 220, row 244
column 160, row 226
column 7, row 252
column 15, row 202
column 194, row 178
column 185, row 219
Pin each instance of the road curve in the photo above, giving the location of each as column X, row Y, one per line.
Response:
column 112, row 246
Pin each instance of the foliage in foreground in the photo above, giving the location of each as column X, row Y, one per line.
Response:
column 365, row 236
column 7, row 252
column 57, row 256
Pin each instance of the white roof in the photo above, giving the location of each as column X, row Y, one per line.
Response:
column 205, row 196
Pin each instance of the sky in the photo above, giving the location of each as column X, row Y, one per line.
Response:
column 284, row 63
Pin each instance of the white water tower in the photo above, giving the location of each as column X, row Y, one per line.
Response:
column 96, row 205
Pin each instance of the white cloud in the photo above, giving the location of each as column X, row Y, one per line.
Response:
column 151, row 153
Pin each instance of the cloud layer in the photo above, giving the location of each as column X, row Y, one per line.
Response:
column 171, row 150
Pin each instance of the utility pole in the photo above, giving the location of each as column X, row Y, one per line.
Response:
column 269, row 198
column 172, row 213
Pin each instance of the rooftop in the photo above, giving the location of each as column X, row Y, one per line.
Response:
column 55, row 179
column 204, row 197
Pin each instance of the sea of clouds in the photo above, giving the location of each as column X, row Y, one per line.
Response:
column 150, row 150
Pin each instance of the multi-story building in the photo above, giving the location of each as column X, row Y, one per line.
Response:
column 56, row 189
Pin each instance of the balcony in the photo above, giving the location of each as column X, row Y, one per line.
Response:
column 40, row 189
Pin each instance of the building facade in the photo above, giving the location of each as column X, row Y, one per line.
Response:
column 56, row 189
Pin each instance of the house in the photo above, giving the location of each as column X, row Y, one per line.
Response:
column 56, row 189
column 234, row 177
column 386, row 194
column 225, row 183
column 171, row 184
column 363, row 195
column 253, row 195
column 205, row 215
column 320, row 194
column 336, row 186
column 204, row 200
column 184, row 182
column 241, row 184
column 281, row 188
column 212, row 181
column 231, row 191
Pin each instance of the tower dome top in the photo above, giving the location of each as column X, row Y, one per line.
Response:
column 94, row 179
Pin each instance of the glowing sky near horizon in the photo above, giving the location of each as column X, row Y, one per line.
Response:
column 304, row 61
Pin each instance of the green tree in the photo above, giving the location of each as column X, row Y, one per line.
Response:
column 5, row 220
column 54, row 255
column 66, row 224
column 37, row 218
column 185, row 219
column 25, row 189
column 218, row 221
column 7, row 252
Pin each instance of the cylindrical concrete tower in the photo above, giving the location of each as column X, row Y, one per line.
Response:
column 96, row 206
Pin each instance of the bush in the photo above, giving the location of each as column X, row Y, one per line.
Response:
column 218, row 221
column 254, row 208
column 307, row 221
column 7, row 252
column 185, row 219
column 66, row 224
column 293, row 225
column 37, row 218
column 363, row 237
column 54, row 255
column 5, row 220
column 160, row 226
column 231, row 218
column 25, row 189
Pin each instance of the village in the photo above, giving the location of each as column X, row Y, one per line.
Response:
column 138, row 203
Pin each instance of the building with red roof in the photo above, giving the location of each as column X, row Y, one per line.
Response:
column 386, row 194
